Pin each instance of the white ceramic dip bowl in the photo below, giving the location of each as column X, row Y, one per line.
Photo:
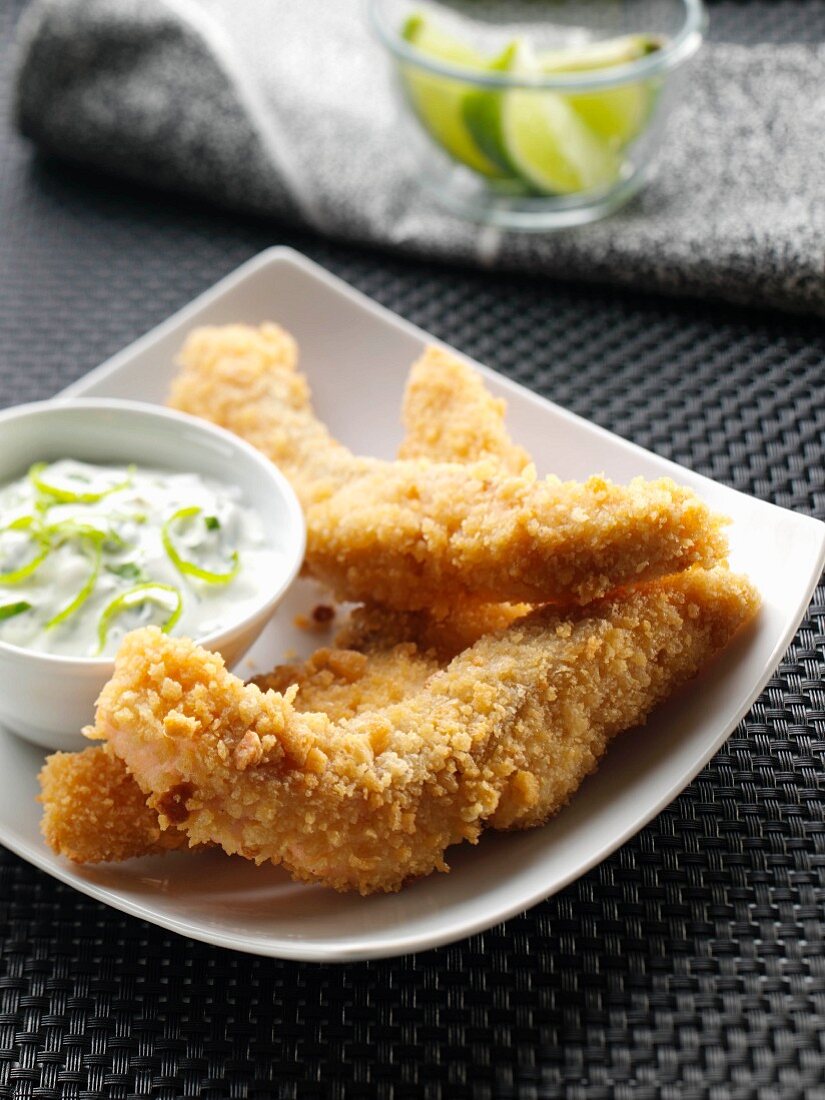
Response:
column 47, row 698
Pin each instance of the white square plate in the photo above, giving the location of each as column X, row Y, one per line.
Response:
column 356, row 355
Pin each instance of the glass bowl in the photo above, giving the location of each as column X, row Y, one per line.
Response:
column 535, row 114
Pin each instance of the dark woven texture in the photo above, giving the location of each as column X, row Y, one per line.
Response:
column 689, row 964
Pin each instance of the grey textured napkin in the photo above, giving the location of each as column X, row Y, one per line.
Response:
column 283, row 108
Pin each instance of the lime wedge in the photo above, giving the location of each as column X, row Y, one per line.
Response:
column 438, row 101
column 481, row 111
column 604, row 54
column 551, row 147
column 537, row 135
column 553, row 142
column 617, row 114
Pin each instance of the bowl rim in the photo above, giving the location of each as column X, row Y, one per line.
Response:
column 676, row 50
column 296, row 526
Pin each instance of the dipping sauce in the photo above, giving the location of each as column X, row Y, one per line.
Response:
column 88, row 553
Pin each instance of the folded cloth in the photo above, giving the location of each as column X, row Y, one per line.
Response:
column 284, row 109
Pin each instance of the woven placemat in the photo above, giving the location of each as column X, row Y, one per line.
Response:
column 689, row 964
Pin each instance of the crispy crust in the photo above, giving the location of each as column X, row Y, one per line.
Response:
column 95, row 812
column 94, row 808
column 372, row 629
column 343, row 682
column 417, row 534
column 505, row 734
column 449, row 416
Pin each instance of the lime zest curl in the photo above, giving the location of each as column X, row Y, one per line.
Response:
column 152, row 592
column 72, row 528
column 86, row 591
column 69, row 496
column 190, row 568
column 27, row 523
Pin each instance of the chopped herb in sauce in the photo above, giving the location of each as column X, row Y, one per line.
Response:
column 89, row 552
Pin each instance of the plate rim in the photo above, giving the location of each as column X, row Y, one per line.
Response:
column 349, row 951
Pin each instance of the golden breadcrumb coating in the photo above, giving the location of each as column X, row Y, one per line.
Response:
column 504, row 734
column 449, row 416
column 341, row 683
column 418, row 534
column 372, row 629
column 94, row 811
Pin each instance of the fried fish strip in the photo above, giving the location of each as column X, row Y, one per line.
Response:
column 417, row 534
column 343, row 682
column 94, row 811
column 505, row 734
column 449, row 416
column 371, row 629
